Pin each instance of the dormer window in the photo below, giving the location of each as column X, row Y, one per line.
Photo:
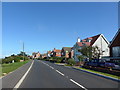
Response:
column 88, row 40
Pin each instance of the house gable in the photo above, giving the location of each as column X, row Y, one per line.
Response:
column 116, row 40
column 103, row 44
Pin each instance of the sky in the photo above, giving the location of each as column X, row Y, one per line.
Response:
column 43, row 26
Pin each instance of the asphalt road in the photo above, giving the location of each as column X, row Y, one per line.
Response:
column 44, row 74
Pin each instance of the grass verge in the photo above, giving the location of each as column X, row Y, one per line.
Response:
column 6, row 68
column 105, row 74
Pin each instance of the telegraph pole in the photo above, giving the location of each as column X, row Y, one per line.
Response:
column 23, row 52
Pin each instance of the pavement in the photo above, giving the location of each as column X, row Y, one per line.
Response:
column 44, row 74
column 10, row 80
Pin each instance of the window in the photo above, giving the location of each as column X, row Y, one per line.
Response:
column 116, row 51
column 88, row 40
column 58, row 53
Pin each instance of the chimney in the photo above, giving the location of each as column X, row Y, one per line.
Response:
column 78, row 40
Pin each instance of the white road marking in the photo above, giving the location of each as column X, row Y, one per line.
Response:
column 21, row 80
column 45, row 64
column 48, row 65
column 78, row 84
column 66, row 76
column 60, row 72
column 51, row 67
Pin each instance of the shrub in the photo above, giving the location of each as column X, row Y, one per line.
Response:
column 71, row 62
column 15, row 58
column 58, row 59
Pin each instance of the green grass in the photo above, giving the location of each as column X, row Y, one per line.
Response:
column 57, row 63
column 105, row 74
column 67, row 65
column 6, row 68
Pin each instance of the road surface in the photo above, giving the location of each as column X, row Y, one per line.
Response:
column 44, row 74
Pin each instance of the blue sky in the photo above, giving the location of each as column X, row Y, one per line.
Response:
column 44, row 26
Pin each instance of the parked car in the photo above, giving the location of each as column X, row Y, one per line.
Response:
column 96, row 63
column 100, row 63
column 116, row 67
column 109, row 64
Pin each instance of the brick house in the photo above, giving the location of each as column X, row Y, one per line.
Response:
column 56, row 53
column 99, row 40
column 36, row 55
column 66, row 52
column 115, row 47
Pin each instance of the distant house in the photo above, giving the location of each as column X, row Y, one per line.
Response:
column 33, row 55
column 36, row 55
column 44, row 55
column 56, row 53
column 66, row 52
column 115, row 47
column 49, row 53
column 98, row 40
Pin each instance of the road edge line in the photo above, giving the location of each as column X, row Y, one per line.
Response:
column 21, row 80
column 107, row 77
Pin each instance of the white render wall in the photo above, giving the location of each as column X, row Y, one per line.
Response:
column 103, row 45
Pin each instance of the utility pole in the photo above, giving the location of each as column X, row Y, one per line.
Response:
column 23, row 52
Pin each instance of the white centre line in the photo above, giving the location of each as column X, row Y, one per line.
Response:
column 60, row 72
column 51, row 67
column 66, row 77
column 48, row 65
column 21, row 80
column 78, row 84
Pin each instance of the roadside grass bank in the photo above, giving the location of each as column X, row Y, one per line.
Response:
column 96, row 72
column 7, row 68
column 101, row 73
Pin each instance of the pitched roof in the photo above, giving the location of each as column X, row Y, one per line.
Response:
column 67, row 49
column 94, row 38
column 80, row 44
column 117, row 34
column 84, row 41
column 49, row 52
column 57, row 50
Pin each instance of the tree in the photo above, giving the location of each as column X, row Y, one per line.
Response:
column 86, row 51
column 81, row 58
column 22, row 53
column 91, row 52
column 96, row 52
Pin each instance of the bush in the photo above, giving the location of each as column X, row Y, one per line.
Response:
column 71, row 62
column 39, row 58
column 15, row 58
column 58, row 59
